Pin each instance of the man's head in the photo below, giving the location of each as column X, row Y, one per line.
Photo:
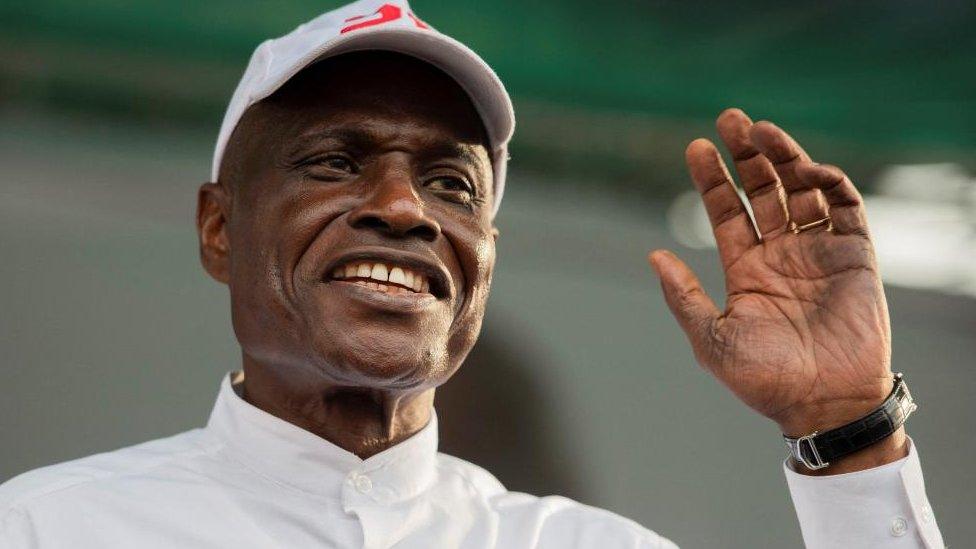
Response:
column 363, row 166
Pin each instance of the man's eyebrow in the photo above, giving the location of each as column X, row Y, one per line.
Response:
column 453, row 149
column 352, row 137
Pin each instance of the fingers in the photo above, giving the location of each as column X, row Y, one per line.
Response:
column 783, row 186
column 690, row 305
column 805, row 204
column 733, row 229
column 756, row 174
column 847, row 214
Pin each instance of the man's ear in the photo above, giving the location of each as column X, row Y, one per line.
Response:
column 213, row 207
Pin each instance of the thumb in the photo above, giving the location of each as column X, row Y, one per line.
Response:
column 690, row 305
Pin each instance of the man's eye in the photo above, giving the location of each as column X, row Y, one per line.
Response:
column 337, row 163
column 328, row 167
column 452, row 186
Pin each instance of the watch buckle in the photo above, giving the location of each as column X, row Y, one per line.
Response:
column 818, row 462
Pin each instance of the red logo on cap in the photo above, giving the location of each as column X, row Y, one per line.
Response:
column 386, row 13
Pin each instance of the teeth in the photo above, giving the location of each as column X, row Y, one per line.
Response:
column 396, row 275
column 377, row 274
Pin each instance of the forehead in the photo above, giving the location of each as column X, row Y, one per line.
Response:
column 370, row 90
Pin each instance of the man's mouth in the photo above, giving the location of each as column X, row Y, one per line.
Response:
column 385, row 278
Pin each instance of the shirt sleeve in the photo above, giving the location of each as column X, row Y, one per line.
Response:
column 15, row 530
column 881, row 507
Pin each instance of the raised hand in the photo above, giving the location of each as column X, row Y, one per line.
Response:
column 804, row 338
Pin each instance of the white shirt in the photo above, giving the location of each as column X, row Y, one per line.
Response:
column 251, row 480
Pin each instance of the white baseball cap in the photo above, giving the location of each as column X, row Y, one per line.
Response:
column 387, row 25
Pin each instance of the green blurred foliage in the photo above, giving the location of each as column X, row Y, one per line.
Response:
column 610, row 89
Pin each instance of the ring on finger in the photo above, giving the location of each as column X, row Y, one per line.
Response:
column 797, row 229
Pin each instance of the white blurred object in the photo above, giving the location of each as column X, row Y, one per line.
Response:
column 922, row 219
column 945, row 183
column 688, row 222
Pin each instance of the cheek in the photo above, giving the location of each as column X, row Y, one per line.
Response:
column 256, row 288
column 480, row 256
column 474, row 249
column 269, row 236
column 485, row 254
column 477, row 256
column 283, row 225
column 255, row 253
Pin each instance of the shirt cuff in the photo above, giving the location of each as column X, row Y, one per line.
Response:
column 881, row 507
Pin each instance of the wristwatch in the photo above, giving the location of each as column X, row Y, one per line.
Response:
column 817, row 450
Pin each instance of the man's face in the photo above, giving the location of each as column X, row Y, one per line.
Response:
column 359, row 233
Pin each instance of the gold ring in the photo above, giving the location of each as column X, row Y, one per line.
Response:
column 797, row 229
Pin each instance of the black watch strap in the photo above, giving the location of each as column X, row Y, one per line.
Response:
column 817, row 450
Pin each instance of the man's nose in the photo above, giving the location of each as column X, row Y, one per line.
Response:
column 394, row 208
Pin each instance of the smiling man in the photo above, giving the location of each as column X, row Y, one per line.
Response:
column 352, row 222
column 356, row 178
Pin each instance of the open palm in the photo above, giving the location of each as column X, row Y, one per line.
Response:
column 804, row 338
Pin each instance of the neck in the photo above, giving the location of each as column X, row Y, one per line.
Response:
column 363, row 421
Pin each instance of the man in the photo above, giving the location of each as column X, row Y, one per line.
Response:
column 350, row 213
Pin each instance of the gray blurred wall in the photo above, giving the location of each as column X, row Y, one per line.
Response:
column 111, row 334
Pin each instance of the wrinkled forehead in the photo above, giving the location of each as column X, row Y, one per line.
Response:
column 376, row 84
column 369, row 95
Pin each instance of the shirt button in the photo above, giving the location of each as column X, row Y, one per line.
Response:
column 899, row 527
column 363, row 484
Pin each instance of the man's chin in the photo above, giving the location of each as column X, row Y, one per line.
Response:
column 387, row 361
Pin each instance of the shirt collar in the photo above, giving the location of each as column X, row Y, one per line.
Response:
column 291, row 455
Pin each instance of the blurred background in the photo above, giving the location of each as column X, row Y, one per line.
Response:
column 581, row 385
